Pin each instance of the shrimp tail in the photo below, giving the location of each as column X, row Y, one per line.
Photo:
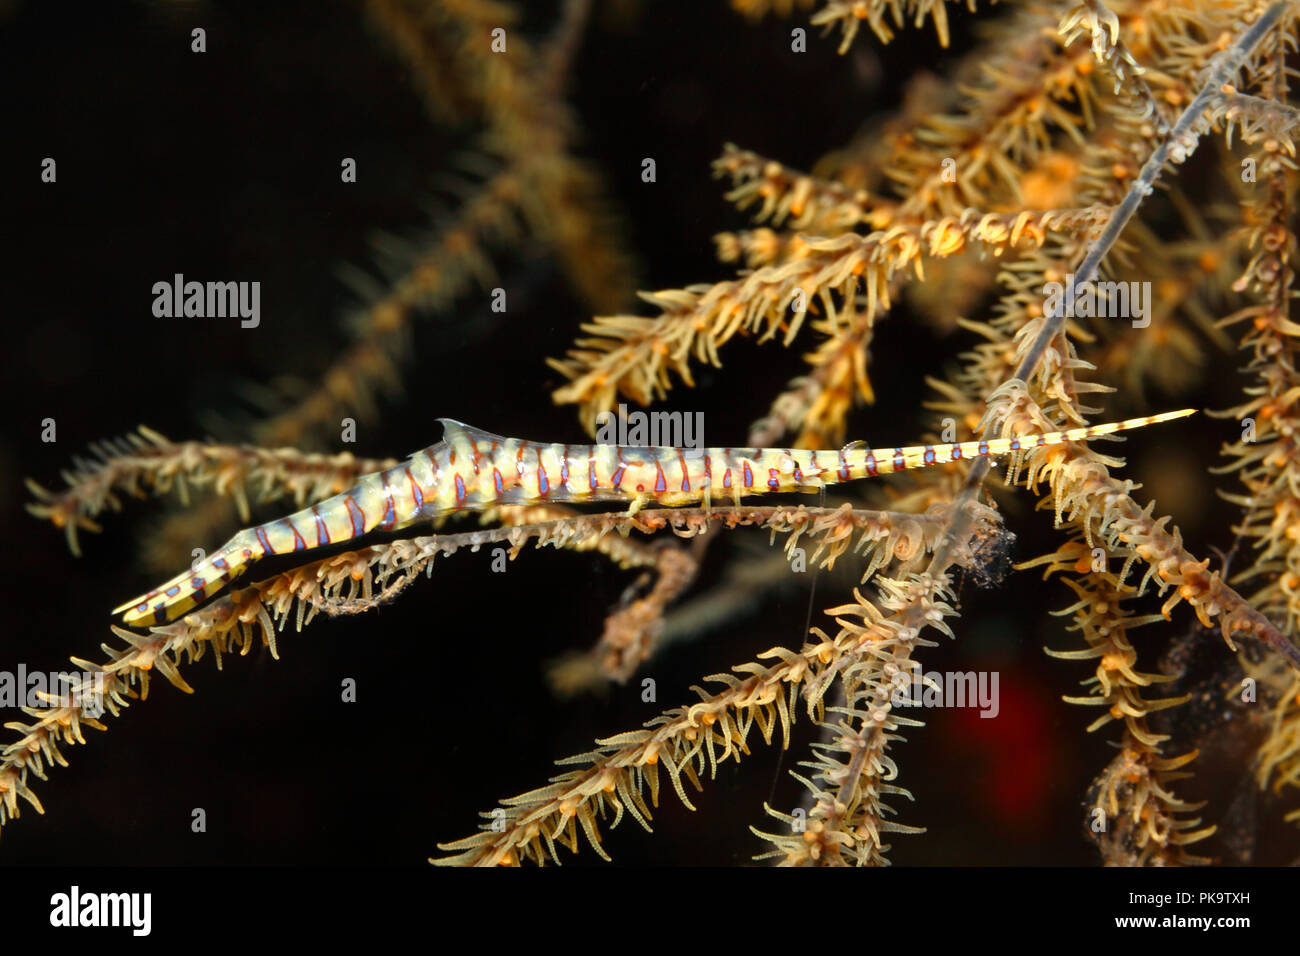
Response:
column 187, row 590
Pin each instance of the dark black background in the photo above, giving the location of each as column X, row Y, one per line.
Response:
column 226, row 164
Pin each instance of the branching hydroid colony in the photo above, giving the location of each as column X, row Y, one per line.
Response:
column 1030, row 178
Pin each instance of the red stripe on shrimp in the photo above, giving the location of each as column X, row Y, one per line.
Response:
column 417, row 496
column 356, row 516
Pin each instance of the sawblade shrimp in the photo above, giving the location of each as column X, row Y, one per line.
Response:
column 472, row 470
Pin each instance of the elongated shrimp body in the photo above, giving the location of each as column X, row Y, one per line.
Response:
column 470, row 470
